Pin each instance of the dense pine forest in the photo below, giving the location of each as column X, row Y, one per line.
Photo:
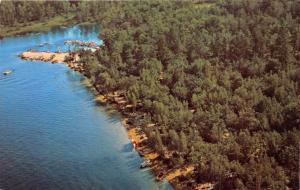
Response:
column 14, row 12
column 219, row 79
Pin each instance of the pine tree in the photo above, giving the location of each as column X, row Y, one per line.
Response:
column 183, row 142
column 158, row 141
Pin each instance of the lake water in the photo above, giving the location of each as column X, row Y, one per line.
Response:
column 53, row 135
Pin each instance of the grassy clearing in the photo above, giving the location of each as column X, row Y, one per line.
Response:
column 39, row 26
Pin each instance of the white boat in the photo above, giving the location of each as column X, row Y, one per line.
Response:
column 7, row 72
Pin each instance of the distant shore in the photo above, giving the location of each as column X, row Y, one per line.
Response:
column 39, row 26
column 118, row 99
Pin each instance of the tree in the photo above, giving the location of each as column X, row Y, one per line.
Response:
column 7, row 16
column 175, row 140
column 183, row 142
column 283, row 48
column 158, row 141
column 220, row 83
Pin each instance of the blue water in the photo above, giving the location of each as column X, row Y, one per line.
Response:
column 52, row 133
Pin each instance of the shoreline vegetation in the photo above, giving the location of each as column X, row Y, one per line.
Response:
column 135, row 133
column 213, row 84
column 21, row 17
column 37, row 26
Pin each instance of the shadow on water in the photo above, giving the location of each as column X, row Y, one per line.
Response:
column 59, row 31
column 132, row 164
column 127, row 148
column 112, row 114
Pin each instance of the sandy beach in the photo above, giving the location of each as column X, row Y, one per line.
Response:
column 46, row 56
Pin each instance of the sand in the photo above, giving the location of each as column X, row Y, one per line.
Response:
column 46, row 56
column 180, row 172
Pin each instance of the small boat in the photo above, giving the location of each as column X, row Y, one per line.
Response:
column 7, row 72
column 145, row 164
column 43, row 44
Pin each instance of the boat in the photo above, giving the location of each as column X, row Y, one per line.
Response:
column 145, row 164
column 7, row 72
column 43, row 44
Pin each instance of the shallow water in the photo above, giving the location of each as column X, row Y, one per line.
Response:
column 52, row 133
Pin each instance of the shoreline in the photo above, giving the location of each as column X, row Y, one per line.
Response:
column 37, row 26
column 135, row 133
column 60, row 21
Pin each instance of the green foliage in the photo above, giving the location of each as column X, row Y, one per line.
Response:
column 222, row 78
column 14, row 12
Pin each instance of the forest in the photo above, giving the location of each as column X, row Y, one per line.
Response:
column 219, row 79
column 14, row 12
